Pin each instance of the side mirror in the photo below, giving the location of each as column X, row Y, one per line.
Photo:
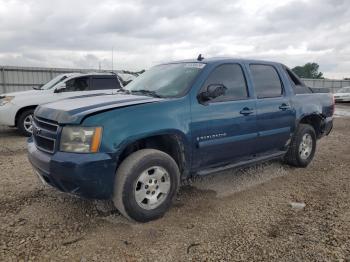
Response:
column 212, row 91
column 60, row 87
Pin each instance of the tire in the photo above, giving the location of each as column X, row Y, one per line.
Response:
column 22, row 122
column 296, row 156
column 137, row 179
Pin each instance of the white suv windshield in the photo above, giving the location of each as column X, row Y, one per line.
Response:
column 169, row 80
column 53, row 82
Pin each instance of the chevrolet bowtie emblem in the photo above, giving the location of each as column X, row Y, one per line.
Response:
column 36, row 131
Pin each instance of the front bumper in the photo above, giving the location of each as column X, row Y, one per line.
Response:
column 86, row 175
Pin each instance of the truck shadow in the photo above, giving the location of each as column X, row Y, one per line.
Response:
column 8, row 132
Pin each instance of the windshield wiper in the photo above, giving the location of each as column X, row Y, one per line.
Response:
column 147, row 93
column 122, row 90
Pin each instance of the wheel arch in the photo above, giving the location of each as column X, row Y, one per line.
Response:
column 21, row 110
column 315, row 120
column 172, row 142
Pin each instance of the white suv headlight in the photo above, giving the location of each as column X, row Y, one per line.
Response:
column 80, row 139
column 5, row 99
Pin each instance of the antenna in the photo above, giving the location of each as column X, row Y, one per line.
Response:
column 112, row 58
column 200, row 57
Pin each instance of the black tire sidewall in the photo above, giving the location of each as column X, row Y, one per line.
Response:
column 306, row 129
column 131, row 207
column 20, row 124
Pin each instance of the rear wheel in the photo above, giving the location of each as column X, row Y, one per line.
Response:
column 303, row 146
column 24, row 122
column 145, row 185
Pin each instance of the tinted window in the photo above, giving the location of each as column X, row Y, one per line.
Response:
column 266, row 81
column 77, row 84
column 104, row 83
column 231, row 76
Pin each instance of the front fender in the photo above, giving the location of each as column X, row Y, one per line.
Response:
column 124, row 126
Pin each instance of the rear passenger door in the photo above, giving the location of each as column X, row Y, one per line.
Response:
column 275, row 115
column 224, row 129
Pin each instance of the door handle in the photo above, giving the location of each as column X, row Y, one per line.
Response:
column 284, row 106
column 246, row 111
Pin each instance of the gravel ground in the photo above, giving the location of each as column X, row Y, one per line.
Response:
column 235, row 215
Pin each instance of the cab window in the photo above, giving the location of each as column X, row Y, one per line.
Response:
column 77, row 84
column 232, row 77
column 266, row 81
column 100, row 83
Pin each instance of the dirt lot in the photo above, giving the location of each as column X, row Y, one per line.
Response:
column 236, row 215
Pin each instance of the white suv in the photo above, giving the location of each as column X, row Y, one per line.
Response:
column 16, row 109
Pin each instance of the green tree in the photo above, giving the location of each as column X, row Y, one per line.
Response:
column 309, row 70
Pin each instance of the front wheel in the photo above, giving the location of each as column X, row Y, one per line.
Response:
column 303, row 146
column 24, row 122
column 145, row 185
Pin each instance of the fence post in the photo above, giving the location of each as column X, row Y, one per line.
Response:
column 4, row 89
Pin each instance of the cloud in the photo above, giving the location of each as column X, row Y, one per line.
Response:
column 143, row 33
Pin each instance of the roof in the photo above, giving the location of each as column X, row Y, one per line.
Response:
column 98, row 73
column 222, row 59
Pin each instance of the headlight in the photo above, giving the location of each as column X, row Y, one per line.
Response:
column 5, row 99
column 80, row 139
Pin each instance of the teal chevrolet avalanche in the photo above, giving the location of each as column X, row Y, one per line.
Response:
column 177, row 120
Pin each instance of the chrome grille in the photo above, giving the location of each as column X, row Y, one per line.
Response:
column 46, row 124
column 45, row 134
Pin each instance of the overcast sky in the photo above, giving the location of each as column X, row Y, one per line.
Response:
column 81, row 34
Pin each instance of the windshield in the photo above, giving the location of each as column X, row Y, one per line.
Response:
column 170, row 80
column 344, row 90
column 53, row 82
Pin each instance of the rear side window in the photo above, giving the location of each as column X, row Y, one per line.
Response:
column 231, row 76
column 266, row 81
column 100, row 83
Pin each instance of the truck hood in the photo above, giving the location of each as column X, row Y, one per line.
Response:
column 73, row 110
column 24, row 93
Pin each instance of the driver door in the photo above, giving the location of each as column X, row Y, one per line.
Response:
column 224, row 129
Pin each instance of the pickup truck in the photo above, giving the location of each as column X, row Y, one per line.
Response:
column 16, row 109
column 177, row 120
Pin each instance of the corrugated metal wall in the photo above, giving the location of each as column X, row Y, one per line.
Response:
column 13, row 78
